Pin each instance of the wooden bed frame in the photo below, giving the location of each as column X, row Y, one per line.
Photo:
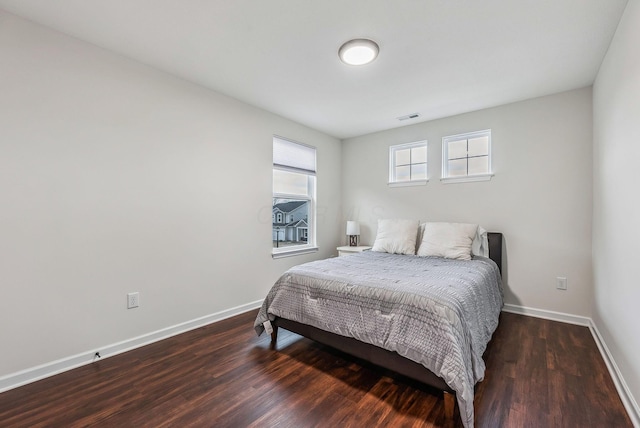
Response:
column 381, row 357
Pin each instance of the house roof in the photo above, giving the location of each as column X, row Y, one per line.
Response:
column 287, row 207
column 298, row 223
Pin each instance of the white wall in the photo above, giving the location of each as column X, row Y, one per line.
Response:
column 616, row 230
column 115, row 177
column 540, row 197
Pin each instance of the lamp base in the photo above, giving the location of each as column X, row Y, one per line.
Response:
column 353, row 240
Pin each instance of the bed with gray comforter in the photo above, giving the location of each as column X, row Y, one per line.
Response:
column 440, row 313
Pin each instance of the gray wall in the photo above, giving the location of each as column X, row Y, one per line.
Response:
column 540, row 197
column 616, row 230
column 115, row 177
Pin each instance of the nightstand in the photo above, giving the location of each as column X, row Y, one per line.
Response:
column 346, row 250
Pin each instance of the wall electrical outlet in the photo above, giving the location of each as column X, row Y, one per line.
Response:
column 133, row 300
column 561, row 283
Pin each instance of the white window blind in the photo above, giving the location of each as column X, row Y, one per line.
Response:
column 294, row 157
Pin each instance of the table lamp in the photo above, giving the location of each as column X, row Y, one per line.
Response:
column 353, row 231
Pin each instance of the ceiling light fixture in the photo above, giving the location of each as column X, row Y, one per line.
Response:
column 358, row 51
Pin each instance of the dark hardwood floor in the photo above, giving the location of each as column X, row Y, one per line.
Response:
column 539, row 374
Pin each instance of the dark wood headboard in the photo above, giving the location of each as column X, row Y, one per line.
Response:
column 495, row 248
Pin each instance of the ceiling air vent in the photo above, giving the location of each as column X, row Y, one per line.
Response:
column 409, row 116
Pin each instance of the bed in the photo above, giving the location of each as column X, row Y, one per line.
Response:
column 376, row 306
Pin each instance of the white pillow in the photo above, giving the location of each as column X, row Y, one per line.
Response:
column 449, row 240
column 480, row 244
column 396, row 236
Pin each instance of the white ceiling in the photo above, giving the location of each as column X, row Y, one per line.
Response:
column 437, row 57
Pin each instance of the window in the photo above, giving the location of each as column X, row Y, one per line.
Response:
column 294, row 192
column 467, row 157
column 408, row 164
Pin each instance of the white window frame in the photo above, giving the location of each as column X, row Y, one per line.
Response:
column 445, row 157
column 392, row 164
column 310, row 246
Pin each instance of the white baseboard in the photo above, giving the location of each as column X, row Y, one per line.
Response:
column 630, row 404
column 623, row 389
column 33, row 374
column 547, row 315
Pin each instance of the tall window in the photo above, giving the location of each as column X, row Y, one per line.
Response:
column 408, row 164
column 294, row 192
column 467, row 157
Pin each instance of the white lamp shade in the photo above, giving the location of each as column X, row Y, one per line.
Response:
column 353, row 228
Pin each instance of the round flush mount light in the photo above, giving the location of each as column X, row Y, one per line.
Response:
column 358, row 51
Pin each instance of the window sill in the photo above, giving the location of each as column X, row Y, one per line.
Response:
column 294, row 252
column 408, row 183
column 466, row 179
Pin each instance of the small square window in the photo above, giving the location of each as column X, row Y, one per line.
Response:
column 467, row 157
column 408, row 164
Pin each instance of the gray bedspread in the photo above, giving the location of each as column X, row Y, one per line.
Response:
column 438, row 312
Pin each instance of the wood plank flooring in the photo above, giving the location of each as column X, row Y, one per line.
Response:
column 539, row 374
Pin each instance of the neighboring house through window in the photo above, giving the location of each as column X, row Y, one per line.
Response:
column 408, row 164
column 294, row 189
column 467, row 157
